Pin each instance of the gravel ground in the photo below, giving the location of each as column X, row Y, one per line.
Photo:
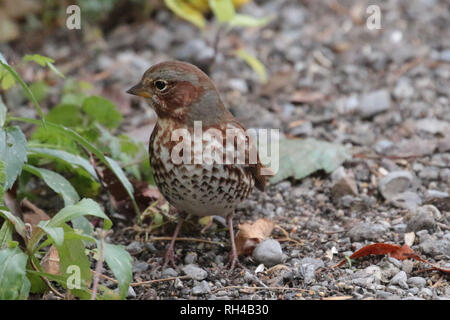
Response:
column 383, row 93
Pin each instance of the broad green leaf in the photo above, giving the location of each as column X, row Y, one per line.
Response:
column 16, row 222
column 223, row 9
column 119, row 262
column 300, row 158
column 3, row 111
column 27, row 90
column 243, row 20
column 7, row 80
column 6, row 234
column 65, row 156
column 185, row 11
column 56, row 233
column 119, row 172
column 83, row 224
column 103, row 111
column 72, row 253
column 82, row 208
column 13, row 153
column 72, row 234
column 13, row 281
column 254, row 63
column 111, row 164
column 68, row 115
column 57, row 183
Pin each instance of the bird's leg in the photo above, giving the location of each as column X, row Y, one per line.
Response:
column 233, row 254
column 170, row 256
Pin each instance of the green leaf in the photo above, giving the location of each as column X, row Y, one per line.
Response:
column 65, row 156
column 119, row 262
column 3, row 111
column 223, row 9
column 83, row 224
column 6, row 234
column 41, row 60
column 103, row 111
column 13, row 281
column 57, row 183
column 254, row 63
column 243, row 20
column 27, row 90
column 72, row 253
column 44, row 62
column 299, row 158
column 16, row 222
column 184, row 11
column 7, row 79
column 56, row 233
column 13, row 153
column 68, row 115
column 82, row 208
column 111, row 164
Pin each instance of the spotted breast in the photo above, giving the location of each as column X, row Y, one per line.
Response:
column 207, row 188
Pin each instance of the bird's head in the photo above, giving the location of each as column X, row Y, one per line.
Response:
column 181, row 91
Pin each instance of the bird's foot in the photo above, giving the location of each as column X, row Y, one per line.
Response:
column 233, row 262
column 169, row 258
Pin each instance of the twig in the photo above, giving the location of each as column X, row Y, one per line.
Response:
column 59, row 294
column 287, row 236
column 186, row 239
column 141, row 283
column 259, row 288
column 145, row 283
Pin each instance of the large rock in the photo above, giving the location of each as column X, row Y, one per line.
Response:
column 268, row 252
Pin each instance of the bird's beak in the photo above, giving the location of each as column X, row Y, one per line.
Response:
column 139, row 90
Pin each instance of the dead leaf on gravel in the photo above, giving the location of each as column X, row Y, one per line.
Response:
column 50, row 262
column 300, row 158
column 250, row 234
column 398, row 252
column 338, row 298
column 306, row 96
column 277, row 82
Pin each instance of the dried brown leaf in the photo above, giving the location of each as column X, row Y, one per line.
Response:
column 250, row 234
column 50, row 262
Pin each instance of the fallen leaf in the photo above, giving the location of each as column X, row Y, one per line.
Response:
column 299, row 158
column 398, row 252
column 250, row 234
column 338, row 298
column 306, row 96
column 50, row 262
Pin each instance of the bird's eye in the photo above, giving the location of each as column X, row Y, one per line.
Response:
column 161, row 85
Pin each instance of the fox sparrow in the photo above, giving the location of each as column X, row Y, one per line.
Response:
column 183, row 98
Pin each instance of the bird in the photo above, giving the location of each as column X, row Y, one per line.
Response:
column 184, row 97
